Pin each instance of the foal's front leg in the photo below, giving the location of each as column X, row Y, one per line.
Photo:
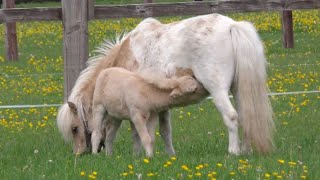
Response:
column 98, row 114
column 112, row 126
column 136, row 140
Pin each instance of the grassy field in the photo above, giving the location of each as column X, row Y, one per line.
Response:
column 32, row 148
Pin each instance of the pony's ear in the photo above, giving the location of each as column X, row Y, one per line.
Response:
column 73, row 107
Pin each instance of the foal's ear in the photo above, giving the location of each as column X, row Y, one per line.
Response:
column 73, row 107
column 176, row 93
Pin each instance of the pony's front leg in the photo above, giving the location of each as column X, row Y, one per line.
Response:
column 98, row 114
column 166, row 131
column 112, row 127
column 139, row 120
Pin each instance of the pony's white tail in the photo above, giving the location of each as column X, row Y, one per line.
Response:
column 254, row 108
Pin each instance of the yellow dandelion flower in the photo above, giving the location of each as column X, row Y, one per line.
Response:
column 189, row 176
column 292, row 163
column 173, row 158
column 219, row 164
column 92, row 177
column 279, row 177
column 232, row 173
column 184, row 167
column 281, row 161
column 130, row 166
column 198, row 174
column 150, row 174
column 124, row 174
column 145, row 160
column 82, row 173
column 284, row 123
column 267, row 175
column 303, row 177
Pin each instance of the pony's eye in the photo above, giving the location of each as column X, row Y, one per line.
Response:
column 74, row 130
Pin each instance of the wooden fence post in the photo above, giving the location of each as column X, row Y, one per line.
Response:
column 91, row 9
column 287, row 29
column 10, row 35
column 75, row 37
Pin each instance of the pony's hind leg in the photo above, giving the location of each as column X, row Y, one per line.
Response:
column 112, row 127
column 98, row 115
column 166, row 131
column 230, row 119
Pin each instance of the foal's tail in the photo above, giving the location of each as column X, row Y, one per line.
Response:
column 254, row 108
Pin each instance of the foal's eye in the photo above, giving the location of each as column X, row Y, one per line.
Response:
column 74, row 130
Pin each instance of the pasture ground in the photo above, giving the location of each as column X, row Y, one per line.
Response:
column 32, row 148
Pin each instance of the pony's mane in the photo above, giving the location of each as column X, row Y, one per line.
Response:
column 80, row 92
column 64, row 120
column 86, row 75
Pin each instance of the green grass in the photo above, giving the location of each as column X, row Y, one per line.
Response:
column 32, row 148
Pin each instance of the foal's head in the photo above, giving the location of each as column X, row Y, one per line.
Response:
column 187, row 85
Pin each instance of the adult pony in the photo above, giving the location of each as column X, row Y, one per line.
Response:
column 224, row 55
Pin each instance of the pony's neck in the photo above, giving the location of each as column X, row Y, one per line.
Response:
column 119, row 55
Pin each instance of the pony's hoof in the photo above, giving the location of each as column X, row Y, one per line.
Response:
column 246, row 150
column 234, row 151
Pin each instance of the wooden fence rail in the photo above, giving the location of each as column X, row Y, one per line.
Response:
column 160, row 9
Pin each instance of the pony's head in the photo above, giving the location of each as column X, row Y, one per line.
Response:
column 73, row 128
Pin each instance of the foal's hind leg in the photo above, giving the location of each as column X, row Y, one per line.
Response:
column 166, row 131
column 139, row 119
column 151, row 125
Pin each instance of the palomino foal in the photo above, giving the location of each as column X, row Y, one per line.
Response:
column 121, row 94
